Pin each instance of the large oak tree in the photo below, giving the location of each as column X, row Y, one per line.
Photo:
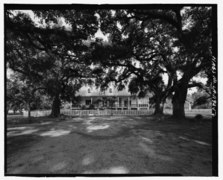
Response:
column 50, row 54
column 183, row 43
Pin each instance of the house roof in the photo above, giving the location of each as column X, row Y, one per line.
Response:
column 93, row 91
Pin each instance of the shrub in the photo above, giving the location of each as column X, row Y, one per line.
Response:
column 91, row 106
column 202, row 106
column 198, row 118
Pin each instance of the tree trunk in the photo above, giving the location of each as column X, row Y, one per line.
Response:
column 158, row 107
column 178, row 101
column 56, row 106
column 29, row 112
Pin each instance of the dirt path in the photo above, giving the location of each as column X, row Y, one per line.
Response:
column 110, row 145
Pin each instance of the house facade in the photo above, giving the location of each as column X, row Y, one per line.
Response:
column 91, row 97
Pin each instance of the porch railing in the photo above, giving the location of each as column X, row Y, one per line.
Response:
column 120, row 106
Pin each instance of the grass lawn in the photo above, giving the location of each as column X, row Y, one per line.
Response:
column 113, row 144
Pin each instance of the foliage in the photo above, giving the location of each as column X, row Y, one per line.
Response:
column 141, row 54
column 144, row 44
column 51, row 55
column 22, row 95
column 201, row 100
column 174, row 39
column 91, row 106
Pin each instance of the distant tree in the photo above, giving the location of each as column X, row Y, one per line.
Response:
column 76, row 101
column 45, row 103
column 201, row 99
column 13, row 103
column 21, row 95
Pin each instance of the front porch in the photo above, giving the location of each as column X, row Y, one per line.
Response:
column 113, row 102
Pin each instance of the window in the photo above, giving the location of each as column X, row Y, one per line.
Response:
column 110, row 90
column 120, row 102
column 89, row 91
column 88, row 102
column 126, row 103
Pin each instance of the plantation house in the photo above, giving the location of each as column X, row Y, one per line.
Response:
column 111, row 98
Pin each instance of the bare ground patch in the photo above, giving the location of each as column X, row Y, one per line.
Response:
column 110, row 145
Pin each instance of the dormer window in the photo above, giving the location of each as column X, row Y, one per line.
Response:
column 89, row 91
column 110, row 90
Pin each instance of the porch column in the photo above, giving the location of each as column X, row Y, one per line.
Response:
column 189, row 106
column 137, row 103
column 116, row 104
column 128, row 103
column 122, row 105
column 148, row 105
column 91, row 100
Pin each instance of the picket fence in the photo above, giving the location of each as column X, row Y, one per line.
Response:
column 90, row 112
column 192, row 112
column 112, row 112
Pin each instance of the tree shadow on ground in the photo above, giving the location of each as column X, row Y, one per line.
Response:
column 16, row 144
column 200, row 130
column 124, row 132
column 168, row 125
column 155, row 145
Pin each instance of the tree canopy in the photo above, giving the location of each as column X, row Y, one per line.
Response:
column 177, row 41
column 49, row 55
column 57, row 52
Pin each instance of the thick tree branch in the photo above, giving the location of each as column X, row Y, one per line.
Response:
column 195, row 84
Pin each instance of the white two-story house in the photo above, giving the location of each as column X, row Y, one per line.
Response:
column 111, row 98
